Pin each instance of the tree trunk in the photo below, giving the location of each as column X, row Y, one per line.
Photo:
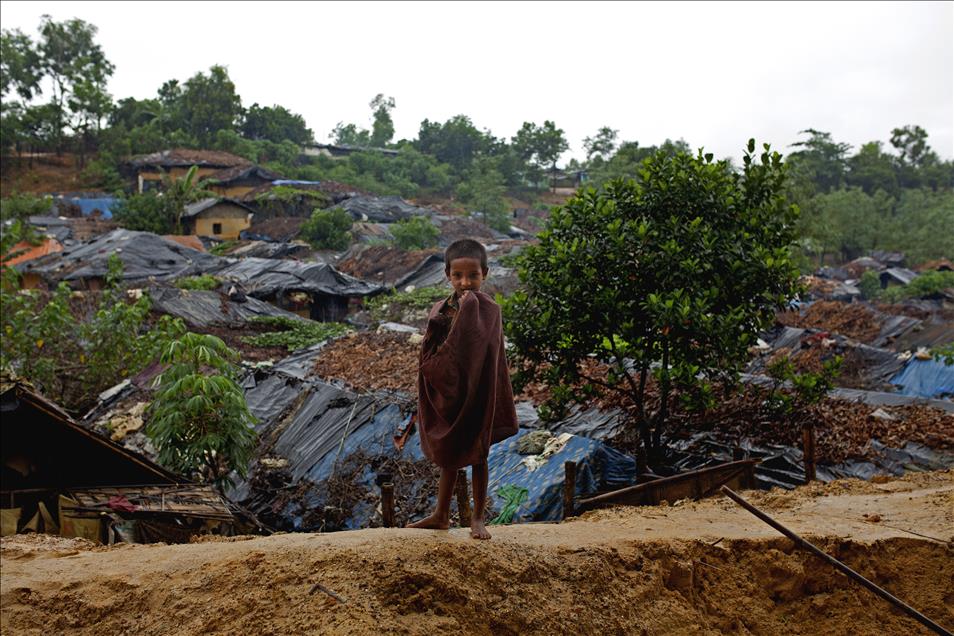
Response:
column 663, row 413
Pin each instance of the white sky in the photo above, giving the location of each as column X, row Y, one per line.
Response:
column 712, row 73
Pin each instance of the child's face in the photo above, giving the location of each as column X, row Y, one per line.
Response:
column 466, row 274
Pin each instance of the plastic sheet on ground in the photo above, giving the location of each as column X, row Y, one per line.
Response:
column 382, row 209
column 592, row 423
column 202, row 308
column 926, row 378
column 783, row 466
column 599, row 467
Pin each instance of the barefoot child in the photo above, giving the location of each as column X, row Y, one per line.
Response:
column 464, row 393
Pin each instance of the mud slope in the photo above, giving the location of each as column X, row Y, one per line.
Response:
column 699, row 568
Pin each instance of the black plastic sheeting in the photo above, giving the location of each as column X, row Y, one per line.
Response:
column 263, row 277
column 783, row 466
column 382, row 209
column 144, row 256
column 264, row 248
column 202, row 308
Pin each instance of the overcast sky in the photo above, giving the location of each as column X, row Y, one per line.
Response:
column 711, row 73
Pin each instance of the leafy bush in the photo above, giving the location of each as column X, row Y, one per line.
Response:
column 944, row 353
column 222, row 248
column 328, row 229
column 807, row 388
column 204, row 282
column 381, row 307
column 927, row 284
column 416, row 233
column 869, row 285
column 294, row 334
column 72, row 355
column 199, row 420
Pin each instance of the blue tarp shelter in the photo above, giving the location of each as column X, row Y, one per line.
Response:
column 925, row 378
column 599, row 467
column 88, row 204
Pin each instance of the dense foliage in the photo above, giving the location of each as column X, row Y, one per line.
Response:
column 199, row 420
column 673, row 275
column 72, row 349
column 205, row 282
column 294, row 334
column 328, row 229
column 415, row 233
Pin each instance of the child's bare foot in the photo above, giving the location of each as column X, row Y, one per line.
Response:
column 432, row 522
column 478, row 530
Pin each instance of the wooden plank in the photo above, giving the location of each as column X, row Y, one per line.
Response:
column 692, row 485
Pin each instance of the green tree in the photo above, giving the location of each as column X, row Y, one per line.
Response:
column 872, row 169
column 482, row 192
column 674, row 276
column 847, row 222
column 820, row 164
column 208, row 104
column 328, row 229
column 78, row 70
column 456, row 142
column 277, row 124
column 199, row 420
column 382, row 128
column 351, row 135
column 415, row 233
column 540, row 146
column 20, row 65
column 600, row 145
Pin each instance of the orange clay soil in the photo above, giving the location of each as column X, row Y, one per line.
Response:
column 692, row 567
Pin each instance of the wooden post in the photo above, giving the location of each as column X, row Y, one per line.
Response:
column 463, row 499
column 569, row 489
column 387, row 504
column 808, row 450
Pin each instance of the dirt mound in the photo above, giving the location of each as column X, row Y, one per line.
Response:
column 372, row 361
column 696, row 567
column 283, row 228
column 848, row 319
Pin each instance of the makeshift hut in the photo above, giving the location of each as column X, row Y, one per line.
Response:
column 238, row 181
column 312, row 290
column 61, row 478
column 146, row 171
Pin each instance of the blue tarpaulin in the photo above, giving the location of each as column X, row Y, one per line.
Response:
column 925, row 378
column 87, row 205
column 598, row 467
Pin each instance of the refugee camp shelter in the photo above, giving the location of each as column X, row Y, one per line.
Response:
column 220, row 218
column 895, row 276
column 146, row 171
column 144, row 256
column 340, row 151
column 239, row 180
column 61, row 478
column 311, row 290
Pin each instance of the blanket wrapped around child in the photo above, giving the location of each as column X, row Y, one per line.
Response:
column 464, row 393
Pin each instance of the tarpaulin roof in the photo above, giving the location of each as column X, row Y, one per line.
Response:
column 264, row 277
column 382, row 209
column 202, row 308
column 188, row 157
column 143, row 255
column 926, row 378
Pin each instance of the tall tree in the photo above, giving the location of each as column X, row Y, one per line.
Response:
column 541, row 146
column 602, row 144
column 382, row 128
column 277, row 124
column 20, row 67
column 78, row 70
column 820, row 162
column 872, row 169
column 208, row 104
column 456, row 142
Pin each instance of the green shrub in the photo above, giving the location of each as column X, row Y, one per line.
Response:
column 416, row 233
column 870, row 285
column 204, row 282
column 927, row 284
column 328, row 229
column 294, row 334
column 382, row 307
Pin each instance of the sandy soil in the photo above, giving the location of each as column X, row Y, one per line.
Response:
column 693, row 567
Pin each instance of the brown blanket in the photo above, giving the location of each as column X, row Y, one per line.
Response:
column 464, row 393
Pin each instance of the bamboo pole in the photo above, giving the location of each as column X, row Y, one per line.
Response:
column 805, row 545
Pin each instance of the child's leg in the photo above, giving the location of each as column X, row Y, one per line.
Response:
column 480, row 475
column 440, row 518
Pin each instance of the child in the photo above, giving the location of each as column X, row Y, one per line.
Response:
column 464, row 393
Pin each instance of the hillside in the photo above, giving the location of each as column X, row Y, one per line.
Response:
column 694, row 567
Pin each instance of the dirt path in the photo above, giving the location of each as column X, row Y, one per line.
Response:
column 696, row 567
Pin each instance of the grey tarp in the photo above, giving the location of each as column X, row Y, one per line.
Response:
column 264, row 277
column 382, row 209
column 267, row 249
column 144, row 255
column 211, row 308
